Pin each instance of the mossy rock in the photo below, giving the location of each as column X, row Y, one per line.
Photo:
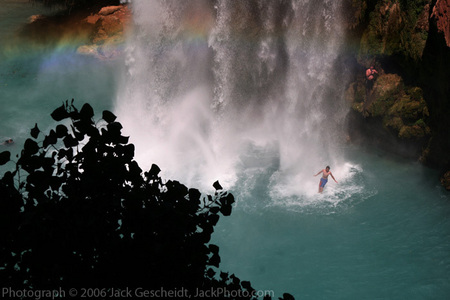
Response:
column 386, row 90
column 414, row 132
column 395, row 123
column 406, row 109
column 395, row 29
column 356, row 92
column 379, row 107
column 358, row 106
column 424, row 126
column 410, row 106
column 387, row 85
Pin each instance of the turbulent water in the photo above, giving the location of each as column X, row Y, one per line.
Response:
column 212, row 83
column 250, row 93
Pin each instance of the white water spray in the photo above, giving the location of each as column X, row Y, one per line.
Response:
column 228, row 90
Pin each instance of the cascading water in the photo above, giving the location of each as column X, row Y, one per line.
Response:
column 229, row 90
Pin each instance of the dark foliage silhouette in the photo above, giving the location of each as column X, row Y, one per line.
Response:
column 77, row 211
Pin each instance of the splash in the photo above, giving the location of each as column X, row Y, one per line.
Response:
column 238, row 91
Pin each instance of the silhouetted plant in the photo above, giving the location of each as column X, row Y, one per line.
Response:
column 78, row 211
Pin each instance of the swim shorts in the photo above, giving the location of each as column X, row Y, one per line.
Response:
column 323, row 181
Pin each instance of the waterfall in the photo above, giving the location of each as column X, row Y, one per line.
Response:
column 223, row 90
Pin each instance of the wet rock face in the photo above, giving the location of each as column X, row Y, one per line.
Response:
column 441, row 14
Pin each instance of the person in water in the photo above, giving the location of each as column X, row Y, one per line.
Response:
column 8, row 142
column 325, row 173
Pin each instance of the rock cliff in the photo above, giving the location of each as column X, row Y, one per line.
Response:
column 407, row 108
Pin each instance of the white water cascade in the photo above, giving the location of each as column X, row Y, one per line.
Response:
column 229, row 90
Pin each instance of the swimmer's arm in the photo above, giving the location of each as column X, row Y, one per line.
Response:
column 333, row 177
column 319, row 173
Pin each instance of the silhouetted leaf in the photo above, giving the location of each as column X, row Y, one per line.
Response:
column 37, row 178
column 246, row 285
column 287, row 296
column 123, row 139
column 30, row 163
column 60, row 113
column 108, row 116
column 194, row 195
column 223, row 276
column 214, row 260
column 35, row 131
column 86, row 112
column 78, row 135
column 225, row 210
column 154, row 171
column 61, row 131
column 8, row 177
column 47, row 163
column 210, row 273
column 214, row 249
column 217, row 185
column 30, row 147
column 50, row 139
column 65, row 153
column 83, row 127
column 4, row 157
column 213, row 219
column 70, row 141
column 214, row 209
column 227, row 200
column 235, row 279
column 128, row 151
column 114, row 128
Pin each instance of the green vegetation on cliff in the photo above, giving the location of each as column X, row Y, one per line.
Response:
column 396, row 29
